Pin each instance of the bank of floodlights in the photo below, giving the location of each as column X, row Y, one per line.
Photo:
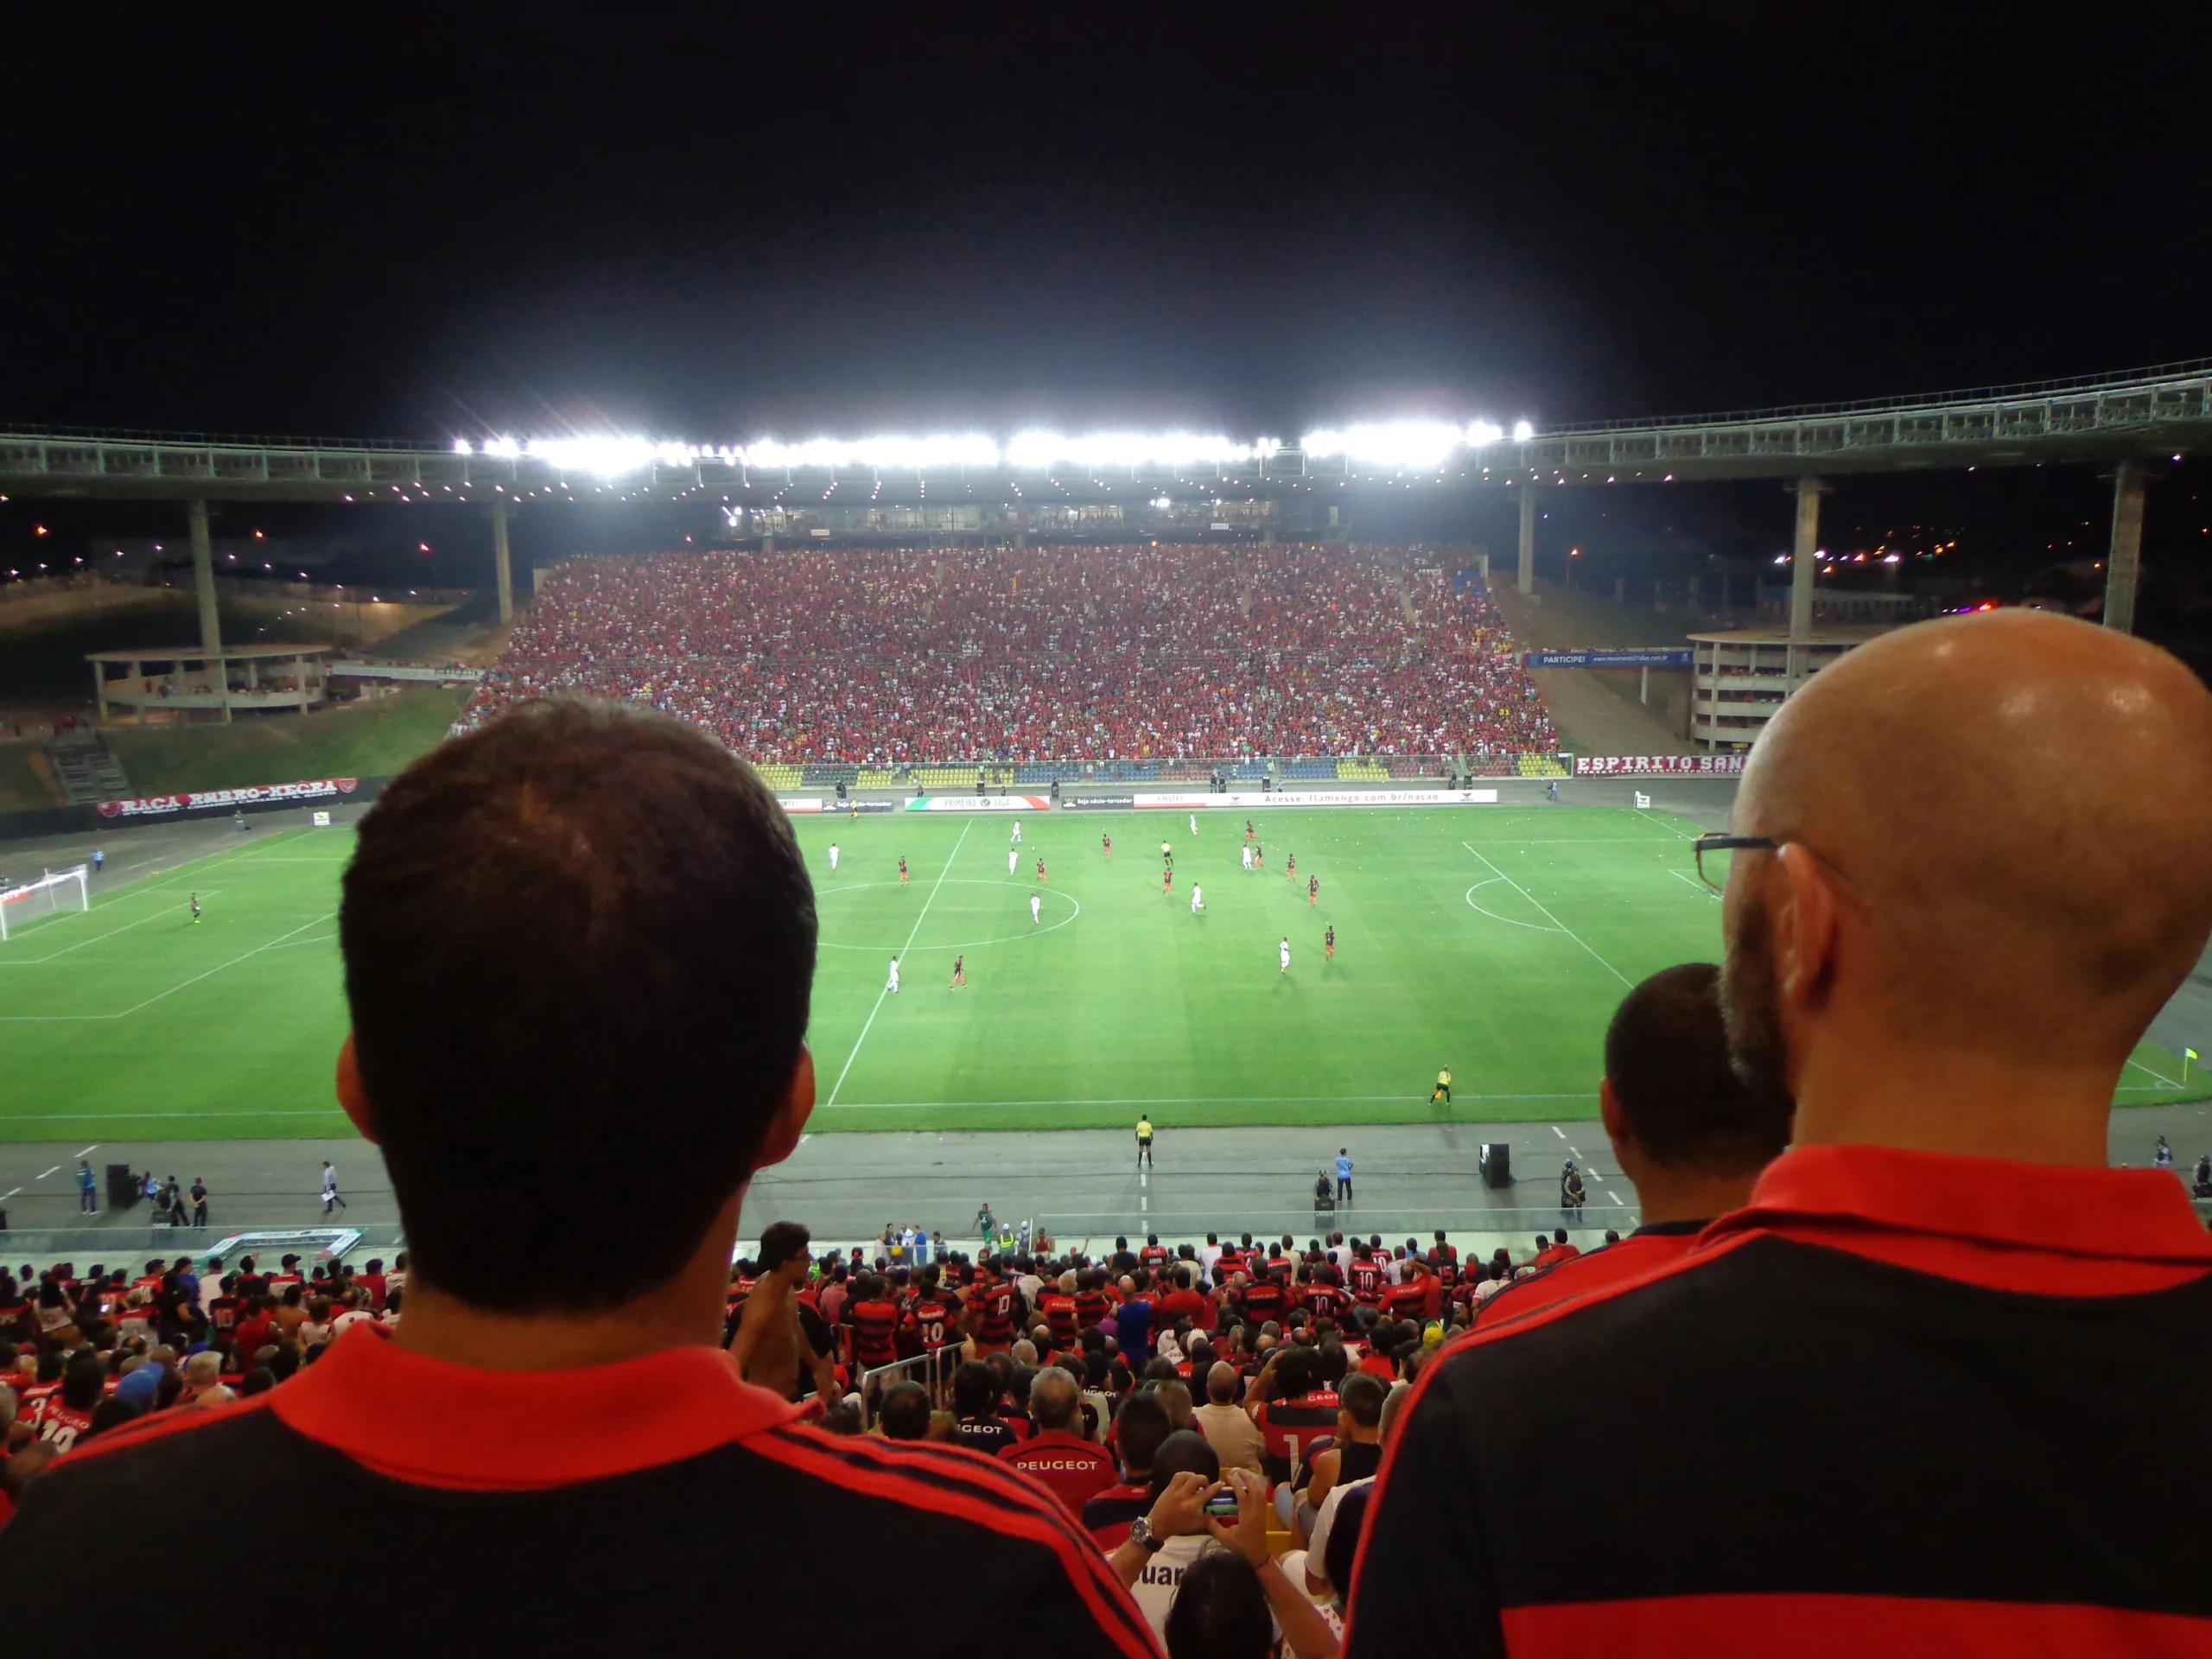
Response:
column 1398, row 446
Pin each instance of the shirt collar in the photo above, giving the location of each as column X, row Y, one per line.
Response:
column 435, row 1423
column 2141, row 1215
column 1668, row 1229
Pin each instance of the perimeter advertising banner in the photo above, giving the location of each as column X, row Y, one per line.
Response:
column 1655, row 766
column 802, row 806
column 1243, row 803
column 1655, row 657
column 979, row 804
column 229, row 800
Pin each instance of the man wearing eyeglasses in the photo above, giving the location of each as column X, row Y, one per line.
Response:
column 1910, row 1396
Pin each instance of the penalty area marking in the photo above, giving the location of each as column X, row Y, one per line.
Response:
column 33, row 962
column 972, row 944
column 1554, row 920
column 1533, row 927
column 71, row 1019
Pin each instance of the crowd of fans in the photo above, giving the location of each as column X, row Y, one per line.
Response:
column 897, row 657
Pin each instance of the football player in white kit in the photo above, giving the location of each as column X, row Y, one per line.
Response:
column 893, row 985
column 1247, row 850
column 1286, row 956
column 1009, row 861
column 1017, row 832
column 1194, row 823
column 1036, row 908
column 833, row 858
column 1198, row 899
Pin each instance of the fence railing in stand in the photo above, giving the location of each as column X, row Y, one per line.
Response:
column 930, row 1370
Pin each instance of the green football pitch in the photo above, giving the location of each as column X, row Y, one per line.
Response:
column 1495, row 940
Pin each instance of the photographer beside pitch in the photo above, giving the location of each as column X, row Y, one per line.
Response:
column 577, row 941
column 1913, row 1397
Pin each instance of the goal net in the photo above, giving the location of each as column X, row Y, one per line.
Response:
column 54, row 891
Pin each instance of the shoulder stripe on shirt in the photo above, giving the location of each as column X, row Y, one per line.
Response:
column 155, row 1424
column 1003, row 1502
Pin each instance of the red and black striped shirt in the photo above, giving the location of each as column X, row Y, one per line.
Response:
column 1903, row 1402
column 659, row 1470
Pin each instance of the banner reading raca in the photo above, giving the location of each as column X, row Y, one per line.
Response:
column 228, row 800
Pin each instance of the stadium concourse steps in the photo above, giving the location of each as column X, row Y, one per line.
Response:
column 999, row 774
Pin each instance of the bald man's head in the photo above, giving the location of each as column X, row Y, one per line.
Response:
column 2001, row 840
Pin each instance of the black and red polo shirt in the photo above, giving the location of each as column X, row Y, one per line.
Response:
column 618, row 1509
column 1651, row 1246
column 1902, row 1403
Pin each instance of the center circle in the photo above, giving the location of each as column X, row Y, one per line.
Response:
column 1047, row 894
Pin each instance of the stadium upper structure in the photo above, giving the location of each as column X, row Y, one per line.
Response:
column 2140, row 414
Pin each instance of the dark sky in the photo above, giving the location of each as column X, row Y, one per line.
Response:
column 729, row 222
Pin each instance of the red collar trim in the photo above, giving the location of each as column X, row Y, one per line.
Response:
column 2134, row 1215
column 432, row 1423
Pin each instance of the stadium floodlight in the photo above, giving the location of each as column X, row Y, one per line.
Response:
column 1122, row 452
column 1483, row 432
column 57, row 890
column 1402, row 445
column 882, row 454
column 1522, row 431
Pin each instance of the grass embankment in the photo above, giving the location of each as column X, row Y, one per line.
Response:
column 368, row 740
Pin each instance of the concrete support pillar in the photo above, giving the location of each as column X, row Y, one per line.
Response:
column 2124, row 563
column 99, row 689
column 1528, row 538
column 1803, row 566
column 502, row 565
column 203, row 578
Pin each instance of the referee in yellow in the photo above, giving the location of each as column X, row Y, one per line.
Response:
column 1443, row 1090
column 1144, row 1140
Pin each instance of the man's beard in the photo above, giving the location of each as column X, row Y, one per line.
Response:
column 1758, row 1051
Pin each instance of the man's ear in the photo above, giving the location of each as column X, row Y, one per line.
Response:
column 1805, row 921
column 1609, row 1111
column 351, row 1095
column 791, row 1113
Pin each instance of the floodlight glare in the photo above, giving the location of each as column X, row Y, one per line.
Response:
column 1522, row 431
column 1401, row 444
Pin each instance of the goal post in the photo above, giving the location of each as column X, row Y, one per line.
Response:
column 57, row 890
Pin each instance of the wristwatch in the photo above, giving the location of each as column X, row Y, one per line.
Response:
column 1141, row 1533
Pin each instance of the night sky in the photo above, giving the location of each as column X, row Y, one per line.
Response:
column 716, row 223
column 722, row 224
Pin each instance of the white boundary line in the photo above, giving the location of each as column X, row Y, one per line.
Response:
column 2161, row 1076
column 886, row 991
column 1555, row 920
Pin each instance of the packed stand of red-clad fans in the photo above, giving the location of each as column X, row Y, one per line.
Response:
column 890, row 657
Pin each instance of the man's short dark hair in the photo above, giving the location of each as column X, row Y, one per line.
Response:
column 1185, row 1450
column 1666, row 1059
column 1220, row 1607
column 1139, row 1428
column 1362, row 1397
column 580, row 936
column 905, row 1412
column 780, row 1241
